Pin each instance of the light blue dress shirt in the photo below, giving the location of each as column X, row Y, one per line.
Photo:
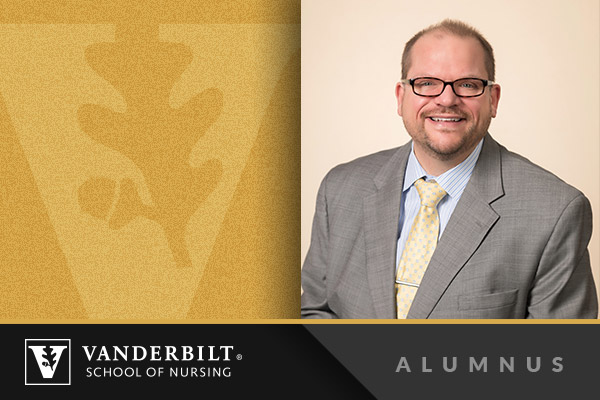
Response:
column 452, row 181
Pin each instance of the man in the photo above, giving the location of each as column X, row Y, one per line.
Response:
column 450, row 225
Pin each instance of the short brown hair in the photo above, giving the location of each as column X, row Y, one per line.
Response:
column 457, row 28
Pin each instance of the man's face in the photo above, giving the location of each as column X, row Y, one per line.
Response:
column 447, row 57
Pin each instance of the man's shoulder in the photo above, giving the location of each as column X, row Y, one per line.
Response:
column 363, row 168
column 518, row 172
column 358, row 177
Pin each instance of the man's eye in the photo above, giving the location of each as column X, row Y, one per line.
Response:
column 469, row 84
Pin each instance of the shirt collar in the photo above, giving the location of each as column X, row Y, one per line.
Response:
column 452, row 181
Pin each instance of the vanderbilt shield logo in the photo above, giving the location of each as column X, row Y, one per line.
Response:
column 47, row 361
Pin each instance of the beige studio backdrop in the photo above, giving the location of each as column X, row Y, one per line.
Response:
column 547, row 63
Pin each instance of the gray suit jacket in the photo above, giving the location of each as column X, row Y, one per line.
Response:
column 515, row 246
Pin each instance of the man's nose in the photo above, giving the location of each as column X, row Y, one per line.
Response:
column 447, row 98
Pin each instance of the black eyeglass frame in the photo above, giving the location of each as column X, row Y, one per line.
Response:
column 411, row 82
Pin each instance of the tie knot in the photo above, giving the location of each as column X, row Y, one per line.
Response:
column 430, row 192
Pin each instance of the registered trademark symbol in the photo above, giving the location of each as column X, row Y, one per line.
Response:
column 239, row 357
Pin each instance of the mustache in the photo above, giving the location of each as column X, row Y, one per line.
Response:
column 446, row 111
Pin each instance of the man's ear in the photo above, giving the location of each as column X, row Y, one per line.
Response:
column 495, row 91
column 399, row 96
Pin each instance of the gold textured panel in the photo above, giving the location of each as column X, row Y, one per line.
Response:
column 151, row 165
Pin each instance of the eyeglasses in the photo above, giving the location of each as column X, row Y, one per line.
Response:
column 433, row 87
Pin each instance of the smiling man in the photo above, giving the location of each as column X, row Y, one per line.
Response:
column 452, row 224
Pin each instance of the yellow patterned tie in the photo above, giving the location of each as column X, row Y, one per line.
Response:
column 419, row 246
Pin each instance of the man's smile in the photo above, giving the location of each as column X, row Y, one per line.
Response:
column 446, row 119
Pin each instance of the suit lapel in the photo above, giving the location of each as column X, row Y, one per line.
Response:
column 381, row 213
column 470, row 222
